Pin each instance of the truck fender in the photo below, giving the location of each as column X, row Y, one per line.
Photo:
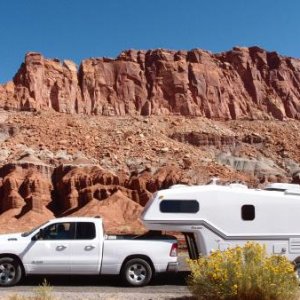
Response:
column 16, row 257
column 144, row 257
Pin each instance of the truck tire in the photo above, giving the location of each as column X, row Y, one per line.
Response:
column 137, row 272
column 10, row 271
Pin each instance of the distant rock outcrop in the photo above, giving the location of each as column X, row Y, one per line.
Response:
column 25, row 188
column 28, row 193
column 205, row 139
column 244, row 83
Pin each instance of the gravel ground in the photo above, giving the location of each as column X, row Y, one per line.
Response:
column 107, row 296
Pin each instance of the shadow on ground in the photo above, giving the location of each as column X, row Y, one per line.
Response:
column 178, row 279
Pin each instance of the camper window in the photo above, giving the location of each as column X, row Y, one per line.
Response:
column 248, row 212
column 179, row 206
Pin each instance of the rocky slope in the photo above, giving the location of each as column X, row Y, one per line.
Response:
column 100, row 140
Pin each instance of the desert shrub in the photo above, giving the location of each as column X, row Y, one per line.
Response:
column 243, row 273
column 43, row 292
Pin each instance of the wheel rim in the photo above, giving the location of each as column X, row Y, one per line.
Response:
column 137, row 273
column 7, row 273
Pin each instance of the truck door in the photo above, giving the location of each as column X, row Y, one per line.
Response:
column 86, row 249
column 49, row 252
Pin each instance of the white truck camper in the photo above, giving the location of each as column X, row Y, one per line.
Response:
column 217, row 217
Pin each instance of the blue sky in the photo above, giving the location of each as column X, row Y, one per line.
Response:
column 73, row 29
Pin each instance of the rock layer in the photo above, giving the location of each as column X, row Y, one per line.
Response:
column 29, row 194
column 57, row 164
column 244, row 83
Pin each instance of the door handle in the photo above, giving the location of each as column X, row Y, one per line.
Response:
column 61, row 248
column 89, row 248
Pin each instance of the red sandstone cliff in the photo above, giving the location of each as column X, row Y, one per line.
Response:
column 245, row 83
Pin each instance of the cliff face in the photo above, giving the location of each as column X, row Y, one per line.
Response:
column 245, row 83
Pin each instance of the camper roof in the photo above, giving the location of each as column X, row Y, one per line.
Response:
column 287, row 189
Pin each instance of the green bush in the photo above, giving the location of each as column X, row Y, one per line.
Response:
column 243, row 273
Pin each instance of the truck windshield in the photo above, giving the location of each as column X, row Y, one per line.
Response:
column 24, row 234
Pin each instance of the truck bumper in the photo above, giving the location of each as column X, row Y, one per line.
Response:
column 172, row 267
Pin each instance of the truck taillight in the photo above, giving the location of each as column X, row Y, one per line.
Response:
column 174, row 249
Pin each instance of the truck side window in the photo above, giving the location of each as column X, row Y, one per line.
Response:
column 179, row 206
column 85, row 231
column 59, row 231
column 248, row 212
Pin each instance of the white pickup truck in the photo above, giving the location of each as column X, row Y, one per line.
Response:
column 80, row 246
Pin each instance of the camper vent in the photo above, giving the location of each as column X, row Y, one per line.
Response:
column 178, row 186
column 238, row 186
column 295, row 245
column 281, row 187
column 294, row 192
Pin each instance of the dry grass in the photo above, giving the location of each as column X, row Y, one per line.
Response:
column 43, row 292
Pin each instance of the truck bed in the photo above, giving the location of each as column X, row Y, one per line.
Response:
column 150, row 235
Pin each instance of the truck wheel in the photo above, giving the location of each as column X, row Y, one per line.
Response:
column 10, row 271
column 137, row 272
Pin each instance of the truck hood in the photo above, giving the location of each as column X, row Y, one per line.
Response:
column 10, row 237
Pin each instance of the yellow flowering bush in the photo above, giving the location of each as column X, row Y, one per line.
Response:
column 243, row 273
